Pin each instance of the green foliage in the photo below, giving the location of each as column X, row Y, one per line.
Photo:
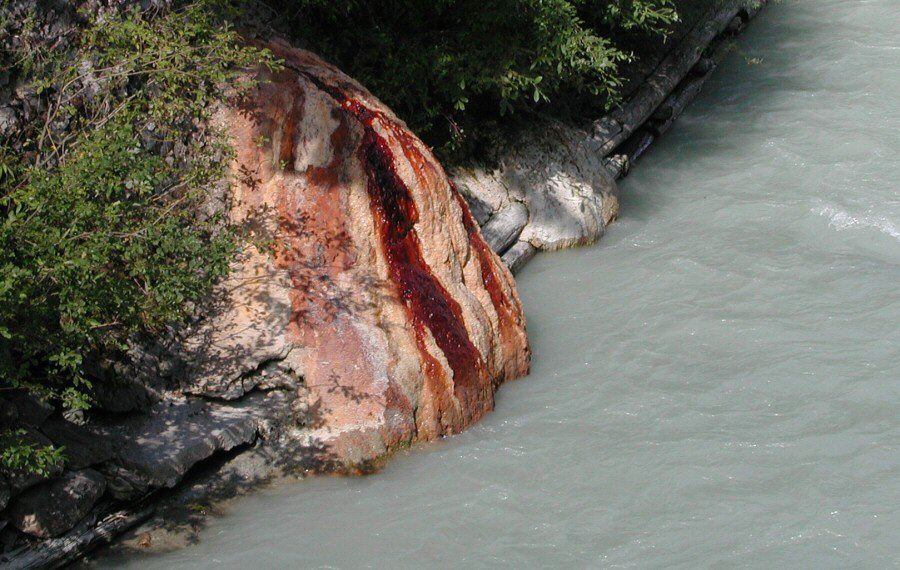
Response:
column 18, row 456
column 92, row 251
column 651, row 16
column 437, row 63
column 101, row 236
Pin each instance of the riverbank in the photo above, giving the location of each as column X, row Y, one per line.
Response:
column 714, row 382
column 223, row 450
column 554, row 184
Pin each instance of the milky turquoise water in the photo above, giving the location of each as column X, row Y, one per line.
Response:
column 715, row 385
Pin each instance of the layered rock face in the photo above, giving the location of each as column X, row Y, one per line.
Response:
column 550, row 190
column 371, row 288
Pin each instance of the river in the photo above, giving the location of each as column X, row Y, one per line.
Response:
column 715, row 384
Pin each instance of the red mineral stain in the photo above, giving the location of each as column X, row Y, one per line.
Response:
column 488, row 275
column 395, row 214
column 428, row 301
column 507, row 308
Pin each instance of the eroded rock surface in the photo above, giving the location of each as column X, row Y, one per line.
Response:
column 157, row 449
column 556, row 172
column 375, row 291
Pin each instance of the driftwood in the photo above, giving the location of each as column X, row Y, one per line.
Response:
column 639, row 138
column 58, row 552
column 617, row 126
column 518, row 255
column 504, row 227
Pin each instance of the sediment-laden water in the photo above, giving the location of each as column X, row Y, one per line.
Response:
column 716, row 384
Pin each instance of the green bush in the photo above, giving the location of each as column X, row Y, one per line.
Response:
column 101, row 236
column 447, row 65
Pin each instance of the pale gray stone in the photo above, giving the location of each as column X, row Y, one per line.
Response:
column 156, row 450
column 557, row 172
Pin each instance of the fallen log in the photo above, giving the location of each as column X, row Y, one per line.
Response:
column 58, row 552
column 617, row 126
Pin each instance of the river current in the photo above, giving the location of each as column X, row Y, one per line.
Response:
column 716, row 384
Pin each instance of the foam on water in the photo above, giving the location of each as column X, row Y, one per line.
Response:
column 715, row 384
column 842, row 220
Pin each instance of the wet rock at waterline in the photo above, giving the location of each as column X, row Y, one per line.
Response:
column 374, row 292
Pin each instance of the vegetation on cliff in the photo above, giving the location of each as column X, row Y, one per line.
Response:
column 105, row 171
column 102, row 234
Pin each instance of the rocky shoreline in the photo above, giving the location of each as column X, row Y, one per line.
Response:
column 555, row 184
column 157, row 469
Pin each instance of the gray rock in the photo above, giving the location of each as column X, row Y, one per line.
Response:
column 121, row 396
column 557, row 172
column 501, row 231
column 54, row 507
column 277, row 376
column 30, row 411
column 156, row 450
column 4, row 493
column 9, row 122
column 83, row 447
column 242, row 330
column 124, row 484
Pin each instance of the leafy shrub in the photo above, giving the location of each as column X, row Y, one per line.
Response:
column 100, row 232
column 444, row 62
column 18, row 455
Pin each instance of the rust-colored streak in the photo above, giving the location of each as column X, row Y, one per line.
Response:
column 507, row 309
column 428, row 301
column 488, row 275
column 286, row 152
column 430, row 305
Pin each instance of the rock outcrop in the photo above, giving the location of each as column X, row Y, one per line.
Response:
column 550, row 190
column 553, row 185
column 372, row 290
column 370, row 313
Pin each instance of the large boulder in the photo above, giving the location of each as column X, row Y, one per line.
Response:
column 54, row 507
column 82, row 446
column 374, row 291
